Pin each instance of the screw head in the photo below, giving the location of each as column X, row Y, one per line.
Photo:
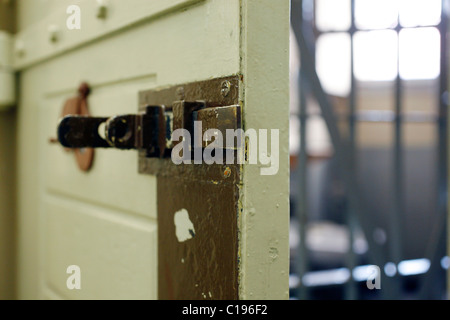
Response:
column 180, row 93
column 102, row 9
column 225, row 88
column 19, row 48
column 53, row 33
column 227, row 172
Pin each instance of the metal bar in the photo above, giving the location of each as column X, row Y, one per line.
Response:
column 351, row 260
column 395, row 234
column 385, row 116
column 319, row 32
column 362, row 212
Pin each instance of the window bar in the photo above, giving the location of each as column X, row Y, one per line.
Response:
column 319, row 32
column 395, row 218
column 351, row 260
column 443, row 132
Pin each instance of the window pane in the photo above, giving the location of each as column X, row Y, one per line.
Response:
column 420, row 12
column 419, row 53
column 376, row 14
column 375, row 55
column 418, row 135
column 374, row 135
column 375, row 96
column 333, row 63
column 421, row 97
column 333, row 15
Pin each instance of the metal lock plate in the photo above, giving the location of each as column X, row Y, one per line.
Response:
column 209, row 193
column 215, row 102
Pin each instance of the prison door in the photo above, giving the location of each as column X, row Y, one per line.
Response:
column 128, row 226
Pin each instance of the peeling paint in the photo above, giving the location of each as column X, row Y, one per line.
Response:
column 273, row 254
column 184, row 228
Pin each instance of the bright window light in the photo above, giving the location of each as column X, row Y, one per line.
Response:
column 333, row 63
column 326, row 277
column 379, row 55
column 390, row 269
column 333, row 15
column 412, row 267
column 419, row 53
column 363, row 273
column 445, row 262
column 420, row 12
column 376, row 14
column 375, row 55
column 294, row 281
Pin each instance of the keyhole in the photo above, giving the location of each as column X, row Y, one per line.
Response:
column 118, row 131
column 122, row 131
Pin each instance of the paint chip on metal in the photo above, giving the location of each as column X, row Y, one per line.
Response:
column 184, row 228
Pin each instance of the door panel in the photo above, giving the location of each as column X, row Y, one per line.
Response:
column 107, row 220
column 115, row 251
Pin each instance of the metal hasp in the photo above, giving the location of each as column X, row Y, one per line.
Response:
column 150, row 131
column 146, row 131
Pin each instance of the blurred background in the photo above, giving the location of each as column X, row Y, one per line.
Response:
column 369, row 148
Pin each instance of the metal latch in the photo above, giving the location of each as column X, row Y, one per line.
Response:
column 144, row 131
column 150, row 131
column 213, row 103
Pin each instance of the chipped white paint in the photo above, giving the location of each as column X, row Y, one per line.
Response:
column 184, row 228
